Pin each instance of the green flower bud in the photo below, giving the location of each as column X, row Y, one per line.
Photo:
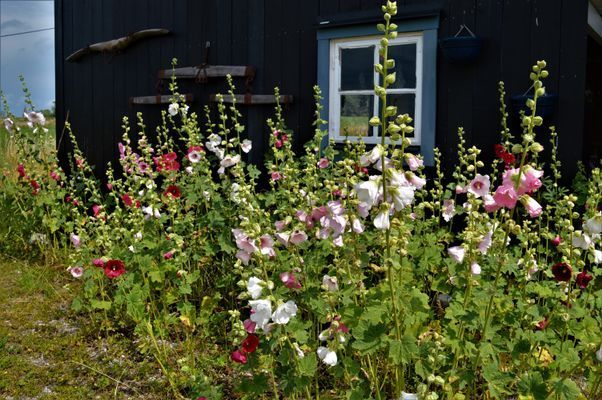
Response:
column 378, row 68
column 393, row 27
column 380, row 27
column 390, row 64
column 527, row 120
column 536, row 147
column 517, row 148
column 395, row 137
column 391, row 111
column 374, row 121
column 530, row 103
column 393, row 128
column 390, row 79
column 541, row 91
column 538, row 121
column 544, row 74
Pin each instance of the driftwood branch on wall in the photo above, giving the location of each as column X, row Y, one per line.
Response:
column 115, row 45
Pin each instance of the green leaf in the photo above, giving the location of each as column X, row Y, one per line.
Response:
column 533, row 384
column 308, row 365
column 100, row 305
column 401, row 351
column 369, row 337
column 566, row 389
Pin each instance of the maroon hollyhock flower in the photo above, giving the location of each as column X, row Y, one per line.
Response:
column 114, row 268
column 249, row 345
column 499, row 150
column 556, row 241
column 541, row 325
column 201, row 398
column 583, row 279
column 173, row 191
column 562, row 272
column 127, row 200
column 239, row 357
column 167, row 162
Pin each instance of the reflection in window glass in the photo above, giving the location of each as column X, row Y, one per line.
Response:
column 357, row 68
column 405, row 65
column 356, row 111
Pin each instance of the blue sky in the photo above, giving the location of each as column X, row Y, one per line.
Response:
column 30, row 54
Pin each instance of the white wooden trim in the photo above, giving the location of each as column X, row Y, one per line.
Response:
column 594, row 20
column 336, row 92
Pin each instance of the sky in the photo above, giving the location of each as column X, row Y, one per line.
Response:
column 30, row 54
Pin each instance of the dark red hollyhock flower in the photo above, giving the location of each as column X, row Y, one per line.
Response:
column 114, row 268
column 167, row 162
column 249, row 345
column 35, row 186
column 541, row 325
column 201, row 398
column 127, row 200
column 239, row 357
column 21, row 171
column 173, row 191
column 556, row 241
column 499, row 149
column 583, row 279
column 562, row 272
column 508, row 158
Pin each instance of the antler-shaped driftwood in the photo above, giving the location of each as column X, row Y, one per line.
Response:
column 115, row 45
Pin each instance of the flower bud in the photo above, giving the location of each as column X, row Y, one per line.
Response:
column 374, row 121
column 536, row 147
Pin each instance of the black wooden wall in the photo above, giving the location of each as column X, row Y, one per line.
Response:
column 278, row 37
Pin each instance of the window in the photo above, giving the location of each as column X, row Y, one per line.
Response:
column 352, row 79
column 346, row 57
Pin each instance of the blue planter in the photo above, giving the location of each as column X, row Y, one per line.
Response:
column 461, row 49
column 546, row 105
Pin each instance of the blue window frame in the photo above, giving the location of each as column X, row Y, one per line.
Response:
column 347, row 84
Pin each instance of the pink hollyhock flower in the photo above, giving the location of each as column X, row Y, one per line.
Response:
column 35, row 186
column 449, row 210
column 479, row 186
column 363, row 209
column 266, row 245
column 301, row 215
column 356, row 226
column 489, row 203
column 55, row 176
column 239, row 357
column 75, row 240
column 275, row 176
column 457, row 253
column 109, row 186
column 249, row 326
column 338, row 241
column 250, row 344
column 98, row 262
column 505, row 196
column 323, row 163
column 280, row 225
column 416, row 181
column 298, row 237
column 243, row 256
column 114, row 268
column 76, row 272
column 96, row 209
column 319, row 212
column 201, row 398
column 556, row 241
column 413, row 162
column 243, row 242
column 127, row 200
column 460, row 189
column 532, row 206
column 541, row 325
column 283, row 237
column 278, row 144
column 330, row 283
column 372, row 156
column 168, row 255
column 290, row 280
column 532, row 179
column 485, row 243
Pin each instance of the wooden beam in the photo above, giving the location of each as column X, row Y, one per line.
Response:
column 210, row 71
column 159, row 99
column 253, row 99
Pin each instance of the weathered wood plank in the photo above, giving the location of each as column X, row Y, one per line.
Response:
column 210, row 71
column 254, row 99
column 158, row 99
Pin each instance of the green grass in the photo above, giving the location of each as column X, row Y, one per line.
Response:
column 47, row 352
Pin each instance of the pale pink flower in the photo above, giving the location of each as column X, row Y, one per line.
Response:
column 485, row 243
column 457, row 253
column 76, row 272
column 249, row 326
column 460, row 189
column 532, row 179
column 194, row 156
column 298, row 237
column 475, row 268
column 75, row 240
column 275, row 176
column 255, row 287
column 372, row 156
column 280, row 225
column 489, row 203
column 327, row 356
column 338, row 241
column 229, row 161
column 416, row 181
column 479, row 186
column 505, row 196
column 246, row 146
column 301, row 215
column 356, row 226
column 363, row 209
column 283, row 237
column 266, row 244
column 532, row 206
column 9, row 125
column 323, row 163
column 243, row 256
column 330, row 283
column 449, row 210
column 414, row 163
column 290, row 280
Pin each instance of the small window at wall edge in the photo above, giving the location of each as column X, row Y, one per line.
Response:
column 346, row 58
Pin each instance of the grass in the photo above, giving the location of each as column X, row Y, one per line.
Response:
column 47, row 352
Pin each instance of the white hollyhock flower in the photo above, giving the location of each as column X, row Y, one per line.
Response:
column 229, row 161
column 330, row 283
column 581, row 240
column 449, row 210
column 34, row 118
column 173, row 109
column 485, row 243
column 457, row 253
column 9, row 124
column 76, row 272
column 327, row 356
column 262, row 312
column 381, row 221
column 408, row 396
column 298, row 237
column 254, row 287
column 593, row 225
column 598, row 256
column 246, row 145
column 599, row 354
column 372, row 156
column 356, row 226
column 368, row 191
column 402, row 196
column 284, row 312
column 475, row 268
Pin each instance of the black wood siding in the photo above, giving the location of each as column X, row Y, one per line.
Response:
column 278, row 37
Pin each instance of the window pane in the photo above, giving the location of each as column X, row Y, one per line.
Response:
column 405, row 65
column 357, row 68
column 405, row 103
column 356, row 111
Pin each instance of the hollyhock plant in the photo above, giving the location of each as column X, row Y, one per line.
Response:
column 562, row 272
column 457, row 253
column 414, row 163
column 239, row 356
column 327, row 356
column 261, row 312
column 173, row 192
column 505, row 196
column 255, row 287
column 298, row 237
column 533, row 207
column 75, row 240
column 194, row 154
column 556, row 241
column 290, row 280
column 449, row 210
column 284, row 312
column 114, row 268
column 249, row 326
column 330, row 283
column 250, row 344
column 479, row 186
column 323, row 163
